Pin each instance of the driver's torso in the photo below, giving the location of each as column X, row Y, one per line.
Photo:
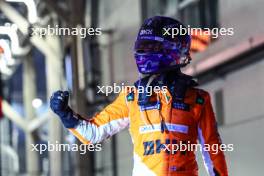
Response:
column 157, row 128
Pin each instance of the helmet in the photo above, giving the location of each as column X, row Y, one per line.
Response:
column 155, row 51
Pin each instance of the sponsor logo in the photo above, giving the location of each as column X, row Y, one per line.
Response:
column 200, row 100
column 156, row 147
column 146, row 32
column 130, row 97
column 150, row 106
column 168, row 126
column 181, row 106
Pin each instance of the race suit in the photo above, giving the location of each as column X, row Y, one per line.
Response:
column 155, row 127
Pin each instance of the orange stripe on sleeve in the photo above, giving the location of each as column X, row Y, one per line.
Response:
column 79, row 136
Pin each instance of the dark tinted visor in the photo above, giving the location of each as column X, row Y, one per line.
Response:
column 143, row 46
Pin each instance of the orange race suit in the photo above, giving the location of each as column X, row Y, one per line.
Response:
column 156, row 127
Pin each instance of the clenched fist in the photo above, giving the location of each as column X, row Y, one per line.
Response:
column 59, row 105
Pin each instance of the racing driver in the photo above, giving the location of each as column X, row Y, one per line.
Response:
column 157, row 122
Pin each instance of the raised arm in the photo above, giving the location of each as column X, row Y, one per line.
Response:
column 108, row 122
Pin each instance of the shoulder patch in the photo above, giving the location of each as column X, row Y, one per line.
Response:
column 200, row 100
column 130, row 96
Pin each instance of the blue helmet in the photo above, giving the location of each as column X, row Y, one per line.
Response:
column 155, row 51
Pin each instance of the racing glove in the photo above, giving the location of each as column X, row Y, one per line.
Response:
column 59, row 105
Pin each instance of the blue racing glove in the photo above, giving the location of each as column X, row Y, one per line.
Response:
column 59, row 105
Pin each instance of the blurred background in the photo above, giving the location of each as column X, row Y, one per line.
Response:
column 231, row 68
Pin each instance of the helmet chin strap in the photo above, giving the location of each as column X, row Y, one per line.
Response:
column 176, row 71
column 141, row 75
column 151, row 78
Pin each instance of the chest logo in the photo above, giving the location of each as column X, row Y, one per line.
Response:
column 150, row 106
column 181, row 106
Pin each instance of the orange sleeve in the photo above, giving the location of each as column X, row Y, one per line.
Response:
column 208, row 136
column 108, row 122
